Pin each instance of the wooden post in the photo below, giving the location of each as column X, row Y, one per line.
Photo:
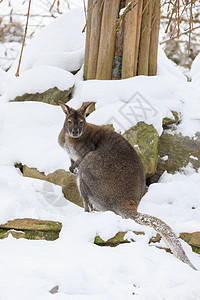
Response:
column 130, row 37
column 143, row 60
column 139, row 22
column 87, row 42
column 107, row 39
column 153, row 50
column 95, row 31
column 117, row 60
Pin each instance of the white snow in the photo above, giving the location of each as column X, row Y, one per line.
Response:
column 63, row 35
column 194, row 157
column 28, row 135
column 194, row 72
column 164, row 157
column 142, row 98
column 40, row 79
column 70, row 61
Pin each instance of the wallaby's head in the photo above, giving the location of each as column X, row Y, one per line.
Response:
column 75, row 122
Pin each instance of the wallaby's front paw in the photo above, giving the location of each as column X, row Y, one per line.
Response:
column 73, row 170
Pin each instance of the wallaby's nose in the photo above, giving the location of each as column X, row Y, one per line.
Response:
column 75, row 132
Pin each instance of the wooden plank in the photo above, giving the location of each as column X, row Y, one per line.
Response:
column 107, row 39
column 129, row 47
column 153, row 50
column 94, row 38
column 143, row 60
column 87, row 42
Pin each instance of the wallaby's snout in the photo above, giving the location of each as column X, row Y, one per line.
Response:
column 75, row 132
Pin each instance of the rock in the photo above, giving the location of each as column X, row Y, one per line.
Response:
column 193, row 239
column 119, row 238
column 54, row 290
column 169, row 121
column 60, row 177
column 32, row 224
column 16, row 234
column 112, row 242
column 144, row 138
column 175, row 152
column 41, row 235
column 31, row 229
column 50, row 96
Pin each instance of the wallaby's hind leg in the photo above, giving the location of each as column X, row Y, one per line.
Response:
column 85, row 194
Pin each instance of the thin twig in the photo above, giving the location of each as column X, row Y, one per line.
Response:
column 25, row 32
column 31, row 15
column 84, row 5
column 52, row 5
column 174, row 37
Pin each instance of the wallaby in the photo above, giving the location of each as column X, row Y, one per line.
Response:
column 110, row 173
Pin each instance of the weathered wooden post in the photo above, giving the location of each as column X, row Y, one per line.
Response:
column 121, row 44
column 153, row 49
column 107, row 39
column 129, row 62
column 145, row 35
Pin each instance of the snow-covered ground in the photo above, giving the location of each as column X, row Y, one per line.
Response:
column 28, row 135
column 13, row 16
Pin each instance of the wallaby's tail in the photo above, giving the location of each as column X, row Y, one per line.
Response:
column 167, row 234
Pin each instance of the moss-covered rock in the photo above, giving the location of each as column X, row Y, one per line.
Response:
column 193, row 239
column 2, row 233
column 60, row 177
column 144, row 138
column 175, row 152
column 112, row 242
column 119, row 238
column 15, row 233
column 41, row 235
column 32, row 224
column 51, row 96
column 169, row 121
column 31, row 229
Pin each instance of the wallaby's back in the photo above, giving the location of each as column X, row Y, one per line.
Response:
column 113, row 172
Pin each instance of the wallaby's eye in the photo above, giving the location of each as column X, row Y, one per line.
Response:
column 69, row 122
column 81, row 123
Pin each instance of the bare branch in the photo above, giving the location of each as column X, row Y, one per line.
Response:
column 20, row 58
column 183, row 33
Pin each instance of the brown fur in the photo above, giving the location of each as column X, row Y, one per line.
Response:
column 110, row 174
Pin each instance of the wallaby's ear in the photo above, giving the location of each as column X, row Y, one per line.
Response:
column 85, row 107
column 65, row 107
